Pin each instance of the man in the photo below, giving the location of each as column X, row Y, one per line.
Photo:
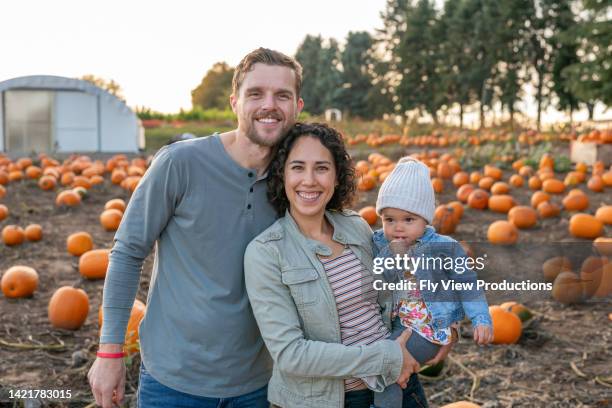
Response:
column 202, row 201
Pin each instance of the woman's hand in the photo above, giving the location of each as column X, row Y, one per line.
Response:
column 410, row 365
column 483, row 335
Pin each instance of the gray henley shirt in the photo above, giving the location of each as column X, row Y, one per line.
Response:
column 201, row 209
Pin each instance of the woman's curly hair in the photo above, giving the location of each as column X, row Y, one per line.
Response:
column 332, row 140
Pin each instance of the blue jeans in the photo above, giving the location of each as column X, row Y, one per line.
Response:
column 152, row 394
column 413, row 396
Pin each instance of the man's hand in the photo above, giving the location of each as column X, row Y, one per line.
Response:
column 107, row 378
column 483, row 335
column 410, row 365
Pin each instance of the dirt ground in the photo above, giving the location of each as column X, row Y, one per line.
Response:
column 562, row 360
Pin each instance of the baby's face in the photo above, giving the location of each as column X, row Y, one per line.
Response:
column 404, row 225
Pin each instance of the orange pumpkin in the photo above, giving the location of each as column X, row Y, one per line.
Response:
column 68, row 198
column 603, row 246
column 567, row 288
column 365, row 183
column 603, row 214
column 47, row 183
column 4, row 212
column 2, row 191
column 68, row 308
column 552, row 267
column 461, row 404
column 486, row 183
column 478, row 199
column 79, row 243
column 501, row 203
column 596, row 184
column 19, row 281
column 492, row 171
column 444, row 219
column 585, row 226
column 33, row 232
column 33, row 172
column 534, row 183
column 475, row 177
column 110, row 219
column 576, row 202
column 369, row 214
column 507, row 326
column 518, row 309
column 131, row 333
column 457, row 210
column 523, row 216
column 464, row 191
column 500, row 187
column 553, row 186
column 438, row 184
column 516, row 180
column 93, row 263
column 591, row 274
column 546, row 209
column 526, row 171
column 116, row 203
column 538, row 197
column 13, row 235
column 502, row 233
column 461, row 178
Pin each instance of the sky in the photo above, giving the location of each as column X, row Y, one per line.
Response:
column 158, row 51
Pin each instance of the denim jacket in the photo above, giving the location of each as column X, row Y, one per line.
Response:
column 446, row 306
column 297, row 315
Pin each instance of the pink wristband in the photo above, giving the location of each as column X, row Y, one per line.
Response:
column 111, row 355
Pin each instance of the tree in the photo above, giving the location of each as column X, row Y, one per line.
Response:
column 110, row 86
column 215, row 89
column 309, row 56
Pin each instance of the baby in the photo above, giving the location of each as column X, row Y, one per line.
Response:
column 406, row 204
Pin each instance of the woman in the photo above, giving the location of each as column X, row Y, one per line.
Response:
column 309, row 282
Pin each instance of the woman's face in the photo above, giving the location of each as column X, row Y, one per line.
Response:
column 310, row 177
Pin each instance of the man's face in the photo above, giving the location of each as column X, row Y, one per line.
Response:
column 266, row 104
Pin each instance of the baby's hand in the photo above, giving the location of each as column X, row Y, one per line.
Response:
column 483, row 335
column 398, row 246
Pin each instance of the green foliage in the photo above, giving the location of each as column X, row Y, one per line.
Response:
column 215, row 89
column 195, row 114
column 110, row 86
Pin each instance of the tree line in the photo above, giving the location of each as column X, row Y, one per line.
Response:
column 473, row 54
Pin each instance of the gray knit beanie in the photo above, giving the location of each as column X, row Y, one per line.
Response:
column 408, row 187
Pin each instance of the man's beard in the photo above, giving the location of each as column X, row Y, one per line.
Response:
column 258, row 140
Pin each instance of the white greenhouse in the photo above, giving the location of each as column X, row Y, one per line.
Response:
column 43, row 113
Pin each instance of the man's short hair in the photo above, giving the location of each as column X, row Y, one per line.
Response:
column 268, row 57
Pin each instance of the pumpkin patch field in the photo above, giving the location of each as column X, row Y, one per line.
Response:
column 541, row 225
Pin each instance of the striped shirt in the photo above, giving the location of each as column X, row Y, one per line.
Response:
column 358, row 310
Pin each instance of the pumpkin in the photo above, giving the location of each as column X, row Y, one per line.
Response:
column 567, row 288
column 47, row 183
column 68, row 308
column 116, row 203
column 526, row 171
column 68, row 198
column 507, row 326
column 96, row 180
column 67, row 178
column 4, row 212
column 516, row 180
column 492, row 171
column 546, row 209
column 367, row 213
column 438, row 184
column 538, row 197
column 16, row 175
column 591, row 274
column 19, row 281
column 596, row 184
column 457, row 210
column 81, row 181
column 546, row 161
column 501, row 203
column 502, row 233
column 605, row 286
column 110, row 219
column 461, row 404
column 33, row 232
column 444, row 220
column 475, row 177
column 576, row 202
column 607, row 178
column 500, row 187
column 464, row 191
column 93, row 263
column 581, row 167
column 461, row 178
column 79, row 243
column 118, row 175
column 583, row 225
column 478, row 199
column 131, row 333
column 444, row 170
column 365, row 183
column 13, row 235
column 33, row 172
column 603, row 214
column 2, row 191
column 553, row 186
column 603, row 246
column 552, row 267
column 486, row 183
column 534, row 183
column 523, row 216
column 518, row 309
